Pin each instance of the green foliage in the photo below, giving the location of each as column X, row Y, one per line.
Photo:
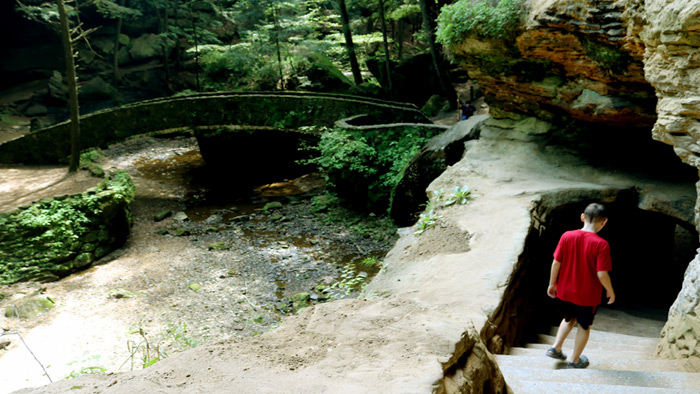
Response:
column 460, row 195
column 88, row 161
column 350, row 280
column 405, row 11
column 147, row 352
column 41, row 11
column 89, row 366
column 361, row 167
column 112, row 10
column 484, row 18
column 178, row 337
column 370, row 263
column 610, row 58
column 48, row 235
column 425, row 221
column 228, row 67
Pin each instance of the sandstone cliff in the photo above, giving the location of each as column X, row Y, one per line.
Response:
column 616, row 68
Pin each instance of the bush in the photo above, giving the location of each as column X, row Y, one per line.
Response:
column 362, row 167
column 228, row 67
column 484, row 18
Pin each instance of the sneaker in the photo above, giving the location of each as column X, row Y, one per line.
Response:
column 553, row 353
column 582, row 363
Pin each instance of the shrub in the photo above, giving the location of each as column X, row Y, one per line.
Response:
column 228, row 66
column 484, row 18
column 361, row 167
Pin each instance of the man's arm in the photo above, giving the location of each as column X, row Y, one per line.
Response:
column 604, row 279
column 554, row 273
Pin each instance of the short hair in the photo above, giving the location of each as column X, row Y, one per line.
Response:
column 595, row 212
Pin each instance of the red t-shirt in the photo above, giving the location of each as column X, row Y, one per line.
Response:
column 581, row 254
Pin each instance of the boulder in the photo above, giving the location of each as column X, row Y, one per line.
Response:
column 103, row 44
column 57, row 89
column 30, row 307
column 408, row 196
column 97, row 89
column 324, row 76
column 36, row 110
column 434, row 105
column 147, row 46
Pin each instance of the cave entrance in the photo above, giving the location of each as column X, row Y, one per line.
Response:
column 650, row 253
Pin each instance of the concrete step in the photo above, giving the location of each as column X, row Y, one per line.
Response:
column 601, row 336
column 675, row 380
column 622, row 364
column 594, row 355
column 601, row 340
column 534, row 387
column 612, row 348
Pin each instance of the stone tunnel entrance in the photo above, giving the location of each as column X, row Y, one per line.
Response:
column 650, row 253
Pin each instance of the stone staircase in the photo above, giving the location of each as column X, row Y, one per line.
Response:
column 621, row 362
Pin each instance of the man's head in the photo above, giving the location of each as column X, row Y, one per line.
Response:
column 595, row 214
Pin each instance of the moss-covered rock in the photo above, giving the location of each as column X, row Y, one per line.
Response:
column 30, row 307
column 55, row 237
column 301, row 301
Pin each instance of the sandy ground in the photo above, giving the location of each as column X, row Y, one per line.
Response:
column 244, row 291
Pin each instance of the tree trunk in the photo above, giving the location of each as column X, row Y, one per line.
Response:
column 386, row 50
column 402, row 31
column 115, row 67
column 72, row 88
column 178, row 48
column 196, row 48
column 277, row 44
column 166, row 52
column 349, row 45
column 427, row 8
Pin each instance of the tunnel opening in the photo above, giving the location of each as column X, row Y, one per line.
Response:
column 650, row 253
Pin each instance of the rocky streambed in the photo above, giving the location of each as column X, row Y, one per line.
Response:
column 206, row 259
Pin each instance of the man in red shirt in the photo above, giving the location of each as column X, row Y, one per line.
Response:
column 579, row 274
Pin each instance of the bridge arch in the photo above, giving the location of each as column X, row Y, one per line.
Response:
column 286, row 111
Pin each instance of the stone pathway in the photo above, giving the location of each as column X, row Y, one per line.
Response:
column 621, row 363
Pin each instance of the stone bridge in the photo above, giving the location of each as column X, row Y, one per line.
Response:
column 278, row 112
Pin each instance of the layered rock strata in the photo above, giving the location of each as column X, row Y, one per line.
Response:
column 671, row 36
column 617, row 68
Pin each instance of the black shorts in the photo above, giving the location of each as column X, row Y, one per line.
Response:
column 583, row 314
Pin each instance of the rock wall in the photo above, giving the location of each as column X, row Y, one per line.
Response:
column 571, row 60
column 671, row 35
column 617, row 68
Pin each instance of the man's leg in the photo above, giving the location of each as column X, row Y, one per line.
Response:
column 580, row 342
column 563, row 331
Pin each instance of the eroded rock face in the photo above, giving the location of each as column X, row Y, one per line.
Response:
column 672, row 65
column 630, row 64
column 573, row 59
